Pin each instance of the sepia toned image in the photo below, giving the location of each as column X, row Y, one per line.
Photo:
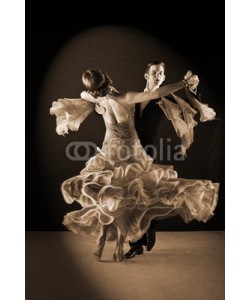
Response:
column 125, row 158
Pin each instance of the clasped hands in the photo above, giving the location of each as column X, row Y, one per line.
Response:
column 191, row 80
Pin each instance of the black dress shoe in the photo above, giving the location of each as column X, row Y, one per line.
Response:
column 151, row 240
column 137, row 250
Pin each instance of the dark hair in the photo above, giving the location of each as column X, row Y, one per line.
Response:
column 97, row 82
column 153, row 63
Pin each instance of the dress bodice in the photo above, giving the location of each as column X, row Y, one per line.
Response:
column 123, row 130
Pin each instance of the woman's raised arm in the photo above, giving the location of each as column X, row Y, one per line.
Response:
column 135, row 97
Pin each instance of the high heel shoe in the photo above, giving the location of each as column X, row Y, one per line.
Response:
column 97, row 256
column 118, row 256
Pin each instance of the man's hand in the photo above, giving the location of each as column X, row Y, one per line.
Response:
column 191, row 80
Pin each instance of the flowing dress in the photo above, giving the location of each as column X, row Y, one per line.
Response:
column 122, row 186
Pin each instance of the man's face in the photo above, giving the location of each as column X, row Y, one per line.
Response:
column 155, row 76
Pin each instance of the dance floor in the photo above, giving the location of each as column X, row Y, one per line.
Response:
column 181, row 266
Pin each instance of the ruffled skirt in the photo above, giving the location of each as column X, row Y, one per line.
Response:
column 129, row 191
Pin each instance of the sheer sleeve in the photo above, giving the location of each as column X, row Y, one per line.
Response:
column 70, row 113
column 206, row 112
column 181, row 116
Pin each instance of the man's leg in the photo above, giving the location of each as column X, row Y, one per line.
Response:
column 148, row 240
column 141, row 242
column 136, row 248
column 151, row 235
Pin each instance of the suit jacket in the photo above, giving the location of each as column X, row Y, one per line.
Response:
column 148, row 123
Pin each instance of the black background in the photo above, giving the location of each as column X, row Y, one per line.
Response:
column 193, row 30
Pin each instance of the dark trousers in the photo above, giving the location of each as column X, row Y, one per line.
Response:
column 143, row 241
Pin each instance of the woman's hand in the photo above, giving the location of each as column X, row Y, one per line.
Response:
column 87, row 96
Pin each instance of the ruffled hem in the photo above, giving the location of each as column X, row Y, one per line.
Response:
column 132, row 194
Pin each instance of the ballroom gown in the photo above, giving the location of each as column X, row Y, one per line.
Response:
column 121, row 186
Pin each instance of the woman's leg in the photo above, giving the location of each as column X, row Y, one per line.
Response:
column 101, row 241
column 118, row 255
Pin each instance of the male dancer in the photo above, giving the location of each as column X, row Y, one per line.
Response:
column 148, row 116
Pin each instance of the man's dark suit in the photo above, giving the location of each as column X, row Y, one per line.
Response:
column 147, row 126
column 148, row 123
